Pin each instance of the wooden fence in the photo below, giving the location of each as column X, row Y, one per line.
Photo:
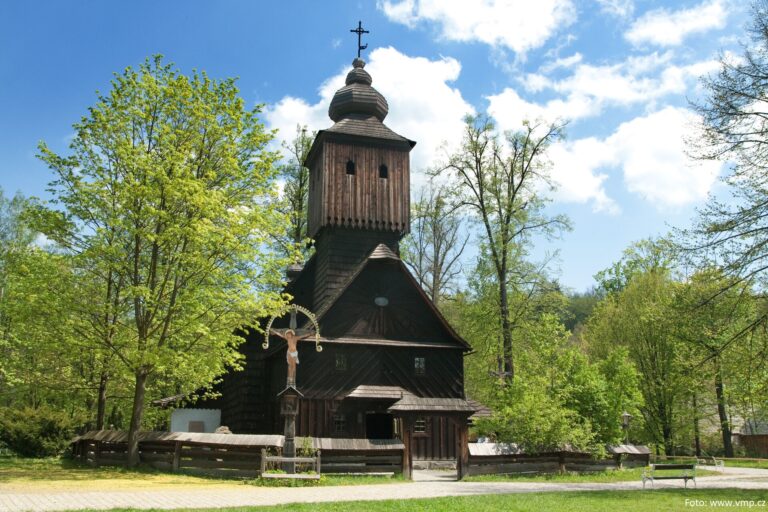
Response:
column 237, row 455
column 756, row 445
column 497, row 458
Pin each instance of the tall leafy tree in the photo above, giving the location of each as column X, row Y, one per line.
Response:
column 714, row 317
column 296, row 188
column 641, row 318
column 167, row 199
column 734, row 128
column 499, row 181
column 436, row 242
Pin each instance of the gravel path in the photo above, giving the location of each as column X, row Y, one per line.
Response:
column 429, row 485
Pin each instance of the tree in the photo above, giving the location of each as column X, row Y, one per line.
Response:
column 498, row 181
column 167, row 201
column 15, row 235
column 641, row 318
column 296, row 189
column 714, row 315
column 734, row 128
column 433, row 248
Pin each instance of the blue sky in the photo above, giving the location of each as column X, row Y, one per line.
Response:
column 622, row 72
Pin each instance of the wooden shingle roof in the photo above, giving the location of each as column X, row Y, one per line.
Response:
column 412, row 403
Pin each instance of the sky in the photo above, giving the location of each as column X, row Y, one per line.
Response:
column 621, row 72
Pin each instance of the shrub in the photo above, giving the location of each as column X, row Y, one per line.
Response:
column 35, row 432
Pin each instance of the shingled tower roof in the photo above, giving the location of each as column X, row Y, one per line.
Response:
column 357, row 97
column 359, row 109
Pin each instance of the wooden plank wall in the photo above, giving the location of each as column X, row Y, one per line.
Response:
column 340, row 251
column 439, row 443
column 362, row 200
column 231, row 460
column 544, row 463
column 755, row 445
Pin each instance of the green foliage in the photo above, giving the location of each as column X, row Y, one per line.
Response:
column 500, row 181
column 36, row 432
column 168, row 204
column 534, row 421
column 641, row 319
column 560, row 398
column 296, row 190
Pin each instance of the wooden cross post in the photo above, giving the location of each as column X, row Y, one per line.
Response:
column 289, row 397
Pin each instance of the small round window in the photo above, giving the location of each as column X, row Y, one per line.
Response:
column 381, row 301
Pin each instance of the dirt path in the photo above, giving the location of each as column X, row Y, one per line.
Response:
column 425, row 487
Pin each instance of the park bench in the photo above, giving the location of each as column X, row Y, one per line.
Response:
column 683, row 472
column 711, row 461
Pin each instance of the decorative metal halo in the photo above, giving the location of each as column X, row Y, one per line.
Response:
column 294, row 308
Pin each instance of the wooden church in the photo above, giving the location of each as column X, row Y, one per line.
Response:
column 391, row 366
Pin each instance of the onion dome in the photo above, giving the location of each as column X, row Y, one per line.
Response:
column 357, row 97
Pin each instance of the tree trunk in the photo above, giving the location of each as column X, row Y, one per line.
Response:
column 136, row 415
column 508, row 375
column 101, row 407
column 696, row 432
column 725, row 425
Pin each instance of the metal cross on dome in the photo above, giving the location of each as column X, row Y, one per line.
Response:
column 360, row 31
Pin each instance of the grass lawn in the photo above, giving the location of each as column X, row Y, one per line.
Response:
column 757, row 463
column 61, row 474
column 623, row 475
column 55, row 474
column 594, row 501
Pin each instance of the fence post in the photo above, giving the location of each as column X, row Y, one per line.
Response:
column 177, row 456
column 317, row 463
column 263, row 461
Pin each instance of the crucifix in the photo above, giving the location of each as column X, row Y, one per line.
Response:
column 289, row 397
column 292, row 335
column 360, row 31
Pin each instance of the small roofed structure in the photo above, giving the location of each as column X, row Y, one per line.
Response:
column 630, row 454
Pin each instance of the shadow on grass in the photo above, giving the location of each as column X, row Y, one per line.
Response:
column 16, row 469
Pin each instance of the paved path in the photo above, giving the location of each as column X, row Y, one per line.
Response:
column 430, row 485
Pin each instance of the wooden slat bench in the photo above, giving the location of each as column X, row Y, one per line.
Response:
column 711, row 461
column 683, row 472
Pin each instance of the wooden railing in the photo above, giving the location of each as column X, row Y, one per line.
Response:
column 488, row 458
column 236, row 455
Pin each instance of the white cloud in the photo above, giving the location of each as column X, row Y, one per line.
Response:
column 422, row 104
column 519, row 25
column 574, row 166
column 669, row 28
column 654, row 161
column 650, row 151
column 619, row 8
column 589, row 89
column 563, row 62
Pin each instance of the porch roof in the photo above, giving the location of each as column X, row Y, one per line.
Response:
column 378, row 392
column 412, row 403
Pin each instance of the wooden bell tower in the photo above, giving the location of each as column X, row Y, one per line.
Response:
column 359, row 190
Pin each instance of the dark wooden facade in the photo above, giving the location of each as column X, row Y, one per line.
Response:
column 359, row 197
column 382, row 337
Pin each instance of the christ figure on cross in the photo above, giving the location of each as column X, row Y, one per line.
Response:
column 292, row 355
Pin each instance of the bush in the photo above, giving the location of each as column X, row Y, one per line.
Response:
column 40, row 432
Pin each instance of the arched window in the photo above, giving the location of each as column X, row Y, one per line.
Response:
column 383, row 171
column 350, row 167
